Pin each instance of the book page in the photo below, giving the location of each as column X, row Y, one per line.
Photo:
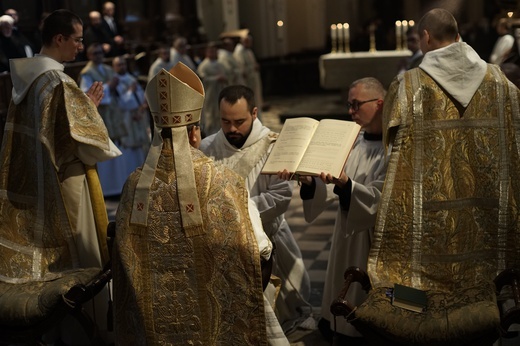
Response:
column 329, row 147
column 290, row 145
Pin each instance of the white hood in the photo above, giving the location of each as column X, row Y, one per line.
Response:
column 457, row 68
column 24, row 72
column 258, row 132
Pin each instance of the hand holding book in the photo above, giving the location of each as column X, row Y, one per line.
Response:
column 286, row 175
column 341, row 181
column 306, row 146
column 307, row 179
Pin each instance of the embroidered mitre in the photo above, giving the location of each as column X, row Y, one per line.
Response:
column 175, row 99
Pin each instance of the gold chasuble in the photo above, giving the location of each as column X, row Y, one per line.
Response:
column 186, row 262
column 448, row 217
column 38, row 233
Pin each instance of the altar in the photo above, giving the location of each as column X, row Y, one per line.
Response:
column 339, row 70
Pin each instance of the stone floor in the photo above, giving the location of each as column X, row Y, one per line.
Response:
column 314, row 242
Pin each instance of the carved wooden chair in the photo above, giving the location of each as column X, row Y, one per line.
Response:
column 471, row 316
column 29, row 310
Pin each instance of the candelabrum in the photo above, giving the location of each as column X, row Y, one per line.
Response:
column 340, row 37
column 401, row 29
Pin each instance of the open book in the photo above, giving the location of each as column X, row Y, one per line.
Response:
column 307, row 146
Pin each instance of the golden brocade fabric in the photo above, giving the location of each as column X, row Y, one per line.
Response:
column 448, row 218
column 464, row 317
column 171, row 289
column 36, row 238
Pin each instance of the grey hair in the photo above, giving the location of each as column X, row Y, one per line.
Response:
column 371, row 83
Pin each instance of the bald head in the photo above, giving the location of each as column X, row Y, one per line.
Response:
column 94, row 18
column 109, row 8
column 437, row 28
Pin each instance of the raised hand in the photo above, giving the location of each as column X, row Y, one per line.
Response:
column 95, row 92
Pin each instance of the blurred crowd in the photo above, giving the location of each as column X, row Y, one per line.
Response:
column 488, row 37
column 230, row 61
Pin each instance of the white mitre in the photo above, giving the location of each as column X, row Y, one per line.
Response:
column 175, row 99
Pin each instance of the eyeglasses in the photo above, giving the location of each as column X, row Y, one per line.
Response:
column 355, row 104
column 78, row 40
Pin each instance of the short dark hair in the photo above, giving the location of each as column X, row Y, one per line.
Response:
column 92, row 47
column 59, row 22
column 233, row 93
column 440, row 24
column 191, row 126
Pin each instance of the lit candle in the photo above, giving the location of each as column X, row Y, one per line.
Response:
column 405, row 29
column 398, row 35
column 279, row 24
column 333, row 37
column 346, row 35
column 339, row 26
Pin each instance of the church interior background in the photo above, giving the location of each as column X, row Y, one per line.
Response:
column 291, row 38
column 289, row 35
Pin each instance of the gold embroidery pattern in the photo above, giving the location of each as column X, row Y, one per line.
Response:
column 203, row 290
column 465, row 228
column 36, row 240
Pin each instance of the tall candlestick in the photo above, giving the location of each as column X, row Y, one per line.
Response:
column 346, row 35
column 405, row 29
column 398, row 39
column 372, row 30
column 333, row 37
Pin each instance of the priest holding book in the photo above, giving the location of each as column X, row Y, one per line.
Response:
column 243, row 144
column 358, row 189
